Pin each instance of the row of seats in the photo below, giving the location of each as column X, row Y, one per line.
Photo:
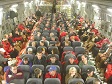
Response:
column 27, row 72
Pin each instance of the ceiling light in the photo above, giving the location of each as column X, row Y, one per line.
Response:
column 83, row 4
column 109, row 9
column 95, row 6
column 14, row 6
column 1, row 9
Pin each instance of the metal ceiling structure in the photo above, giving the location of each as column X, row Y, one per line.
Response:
column 107, row 3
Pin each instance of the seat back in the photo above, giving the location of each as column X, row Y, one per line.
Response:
column 17, row 81
column 76, row 44
column 49, row 55
column 75, row 81
column 26, row 70
column 50, row 48
column 34, row 80
column 67, row 56
column 45, row 34
column 68, row 48
column 40, row 47
column 30, row 56
column 90, row 80
column 79, row 50
column 52, row 81
column 52, row 43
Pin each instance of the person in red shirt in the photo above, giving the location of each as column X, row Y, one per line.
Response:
column 53, row 73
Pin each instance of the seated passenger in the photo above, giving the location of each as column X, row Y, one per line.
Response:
column 69, row 62
column 14, row 53
column 54, row 61
column 33, row 44
column 13, row 73
column 26, row 61
column 71, row 74
column 39, row 59
column 38, row 73
column 90, row 74
column 85, row 61
column 30, row 51
column 52, row 73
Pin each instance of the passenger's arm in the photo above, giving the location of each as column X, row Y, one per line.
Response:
column 9, row 78
column 19, row 75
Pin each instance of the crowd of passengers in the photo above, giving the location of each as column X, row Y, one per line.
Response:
column 55, row 45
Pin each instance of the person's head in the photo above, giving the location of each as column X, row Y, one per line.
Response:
column 33, row 44
column 52, row 70
column 55, row 51
column 13, row 68
column 39, row 54
column 90, row 72
column 10, row 34
column 57, row 43
column 25, row 60
column 71, row 59
column 43, row 38
column 83, row 58
column 53, row 58
column 2, row 51
column 72, row 70
column 66, row 38
column 38, row 34
column 51, row 34
column 30, row 50
column 1, row 69
column 72, row 38
column 67, row 43
column 41, row 43
column 38, row 72
column 53, row 38
column 96, row 81
column 43, row 51
column 6, row 36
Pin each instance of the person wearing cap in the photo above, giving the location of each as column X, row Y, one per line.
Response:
column 89, row 75
column 30, row 51
column 84, row 61
column 53, row 73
